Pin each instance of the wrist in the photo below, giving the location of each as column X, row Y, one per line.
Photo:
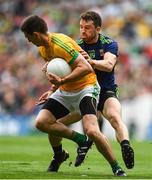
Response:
column 94, row 64
column 53, row 88
column 62, row 81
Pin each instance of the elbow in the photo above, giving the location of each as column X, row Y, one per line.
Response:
column 109, row 67
column 89, row 70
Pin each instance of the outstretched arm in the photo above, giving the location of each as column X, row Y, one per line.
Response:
column 107, row 64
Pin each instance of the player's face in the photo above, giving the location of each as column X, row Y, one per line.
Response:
column 88, row 32
column 33, row 38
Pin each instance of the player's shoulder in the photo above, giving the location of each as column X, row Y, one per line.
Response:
column 104, row 39
column 58, row 35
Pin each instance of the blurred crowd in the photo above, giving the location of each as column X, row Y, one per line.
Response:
column 22, row 81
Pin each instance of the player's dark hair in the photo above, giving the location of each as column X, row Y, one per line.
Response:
column 34, row 23
column 91, row 15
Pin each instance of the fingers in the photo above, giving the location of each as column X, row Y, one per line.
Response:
column 38, row 103
column 51, row 76
column 44, row 68
column 54, row 88
column 54, row 79
column 84, row 54
column 43, row 98
column 41, row 101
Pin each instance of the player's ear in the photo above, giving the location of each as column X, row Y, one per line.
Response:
column 98, row 29
column 37, row 34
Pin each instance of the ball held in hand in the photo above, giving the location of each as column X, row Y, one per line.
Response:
column 59, row 67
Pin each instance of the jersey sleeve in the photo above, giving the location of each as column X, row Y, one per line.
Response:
column 64, row 47
column 68, row 52
column 112, row 48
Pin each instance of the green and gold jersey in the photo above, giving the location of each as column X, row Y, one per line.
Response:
column 65, row 47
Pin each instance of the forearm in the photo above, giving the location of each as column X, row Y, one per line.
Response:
column 76, row 74
column 103, row 65
column 107, row 64
column 80, row 68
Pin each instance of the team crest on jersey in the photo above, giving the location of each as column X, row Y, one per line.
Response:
column 91, row 54
column 101, row 52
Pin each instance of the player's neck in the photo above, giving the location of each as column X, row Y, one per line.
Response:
column 45, row 39
column 93, row 40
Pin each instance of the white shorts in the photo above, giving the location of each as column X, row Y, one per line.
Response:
column 71, row 100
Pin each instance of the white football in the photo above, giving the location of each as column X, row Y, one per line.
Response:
column 59, row 67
